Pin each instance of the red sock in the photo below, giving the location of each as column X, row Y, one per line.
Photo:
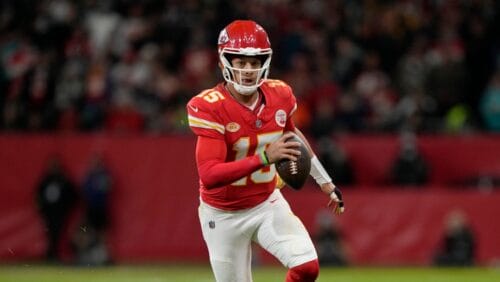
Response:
column 306, row 272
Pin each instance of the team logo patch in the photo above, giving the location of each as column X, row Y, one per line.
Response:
column 223, row 37
column 232, row 127
column 280, row 117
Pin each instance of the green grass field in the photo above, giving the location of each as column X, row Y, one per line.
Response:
column 178, row 273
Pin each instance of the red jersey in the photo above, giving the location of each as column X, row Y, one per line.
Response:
column 214, row 113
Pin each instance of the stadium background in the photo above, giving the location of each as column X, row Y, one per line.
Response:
column 112, row 77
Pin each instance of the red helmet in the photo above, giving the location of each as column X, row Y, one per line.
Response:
column 245, row 38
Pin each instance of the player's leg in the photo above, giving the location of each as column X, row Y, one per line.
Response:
column 283, row 235
column 228, row 245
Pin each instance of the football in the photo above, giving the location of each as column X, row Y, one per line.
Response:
column 295, row 173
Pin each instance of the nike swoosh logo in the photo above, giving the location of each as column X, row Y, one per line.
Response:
column 194, row 108
column 272, row 201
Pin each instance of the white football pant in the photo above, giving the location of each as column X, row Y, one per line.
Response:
column 271, row 224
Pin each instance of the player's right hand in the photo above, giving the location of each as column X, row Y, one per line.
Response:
column 280, row 149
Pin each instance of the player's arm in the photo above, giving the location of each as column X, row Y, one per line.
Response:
column 214, row 171
column 318, row 172
column 322, row 178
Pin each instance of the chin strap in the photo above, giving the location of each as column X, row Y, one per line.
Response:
column 244, row 90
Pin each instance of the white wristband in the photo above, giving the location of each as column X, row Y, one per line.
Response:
column 318, row 172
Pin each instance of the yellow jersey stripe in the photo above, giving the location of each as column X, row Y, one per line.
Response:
column 202, row 123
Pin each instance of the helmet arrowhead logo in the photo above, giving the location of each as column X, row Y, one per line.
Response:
column 223, row 37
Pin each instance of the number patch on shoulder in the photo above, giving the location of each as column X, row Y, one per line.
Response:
column 211, row 96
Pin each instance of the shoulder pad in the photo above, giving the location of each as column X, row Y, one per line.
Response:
column 202, row 116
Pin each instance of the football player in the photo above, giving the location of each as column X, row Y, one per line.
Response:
column 241, row 126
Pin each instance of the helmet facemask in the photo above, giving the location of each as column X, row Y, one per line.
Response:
column 229, row 72
column 244, row 38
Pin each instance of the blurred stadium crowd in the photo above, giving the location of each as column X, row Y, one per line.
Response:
column 430, row 66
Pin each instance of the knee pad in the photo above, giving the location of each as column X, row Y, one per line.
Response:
column 306, row 272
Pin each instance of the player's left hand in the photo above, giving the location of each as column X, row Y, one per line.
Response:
column 336, row 201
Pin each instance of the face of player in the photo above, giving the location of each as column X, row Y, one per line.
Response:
column 246, row 70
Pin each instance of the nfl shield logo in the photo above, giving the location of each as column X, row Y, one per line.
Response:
column 211, row 224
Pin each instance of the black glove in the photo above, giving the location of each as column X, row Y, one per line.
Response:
column 337, row 201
